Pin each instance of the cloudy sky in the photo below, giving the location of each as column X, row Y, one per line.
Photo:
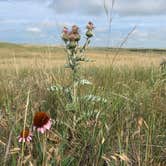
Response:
column 41, row 21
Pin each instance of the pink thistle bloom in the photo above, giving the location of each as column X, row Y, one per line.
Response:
column 65, row 30
column 90, row 26
column 75, row 29
column 65, row 34
column 42, row 122
column 25, row 136
column 72, row 36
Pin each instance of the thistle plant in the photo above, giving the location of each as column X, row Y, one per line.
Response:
column 75, row 52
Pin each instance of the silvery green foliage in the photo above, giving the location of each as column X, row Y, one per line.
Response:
column 84, row 82
column 75, row 55
column 55, row 88
column 92, row 98
column 60, row 89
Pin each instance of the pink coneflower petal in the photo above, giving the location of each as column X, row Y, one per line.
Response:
column 42, row 130
column 41, row 122
column 48, row 125
column 20, row 140
column 30, row 138
column 25, row 136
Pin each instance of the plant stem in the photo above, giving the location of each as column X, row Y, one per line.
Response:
column 25, row 119
column 44, row 149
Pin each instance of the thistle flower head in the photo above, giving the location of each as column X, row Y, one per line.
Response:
column 41, row 122
column 64, row 35
column 25, row 136
column 65, row 30
column 90, row 26
column 72, row 36
column 75, row 29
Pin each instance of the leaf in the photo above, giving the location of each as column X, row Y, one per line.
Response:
column 56, row 88
column 92, row 98
column 68, row 94
column 84, row 82
column 67, row 66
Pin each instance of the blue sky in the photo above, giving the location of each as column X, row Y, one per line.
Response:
column 41, row 21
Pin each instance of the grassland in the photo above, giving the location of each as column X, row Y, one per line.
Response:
column 129, row 129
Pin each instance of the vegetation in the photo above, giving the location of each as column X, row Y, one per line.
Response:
column 122, row 123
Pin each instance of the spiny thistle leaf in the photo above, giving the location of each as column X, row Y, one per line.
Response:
column 84, row 82
column 56, row 88
column 92, row 98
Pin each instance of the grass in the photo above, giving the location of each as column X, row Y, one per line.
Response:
column 127, row 130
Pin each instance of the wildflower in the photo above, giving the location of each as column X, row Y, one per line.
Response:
column 41, row 122
column 25, row 136
column 77, row 37
column 72, row 45
column 65, row 30
column 72, row 36
column 90, row 26
column 65, row 34
column 75, row 29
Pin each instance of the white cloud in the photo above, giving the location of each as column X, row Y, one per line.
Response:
column 121, row 7
column 140, row 7
column 96, row 7
column 33, row 30
column 140, row 34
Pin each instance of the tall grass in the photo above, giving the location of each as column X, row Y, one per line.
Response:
column 127, row 130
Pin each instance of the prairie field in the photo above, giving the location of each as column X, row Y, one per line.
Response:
column 121, row 123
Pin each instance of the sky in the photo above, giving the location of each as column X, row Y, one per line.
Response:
column 41, row 21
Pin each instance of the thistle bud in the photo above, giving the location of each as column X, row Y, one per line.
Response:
column 65, row 30
column 75, row 29
column 65, row 34
column 89, row 33
column 90, row 26
column 78, row 37
column 72, row 36
column 72, row 44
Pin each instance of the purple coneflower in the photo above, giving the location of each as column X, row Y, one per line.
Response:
column 41, row 122
column 25, row 136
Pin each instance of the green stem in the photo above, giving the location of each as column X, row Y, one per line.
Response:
column 44, row 149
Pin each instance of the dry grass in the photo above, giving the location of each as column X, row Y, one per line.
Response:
column 127, row 130
column 31, row 57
